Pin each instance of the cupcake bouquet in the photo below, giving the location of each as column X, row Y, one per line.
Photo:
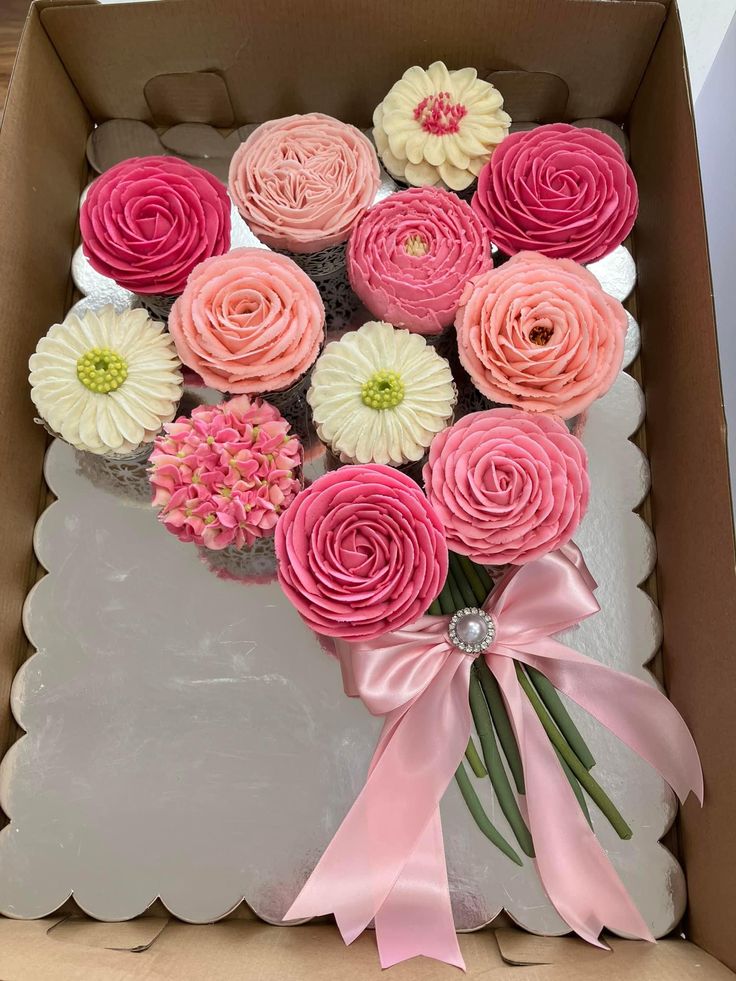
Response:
column 443, row 593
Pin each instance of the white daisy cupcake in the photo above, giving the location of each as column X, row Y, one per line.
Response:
column 439, row 127
column 380, row 395
column 106, row 382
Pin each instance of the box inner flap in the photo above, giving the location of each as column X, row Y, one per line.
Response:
column 602, row 60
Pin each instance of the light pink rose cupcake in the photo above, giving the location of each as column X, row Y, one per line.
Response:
column 565, row 191
column 302, row 182
column 361, row 552
column 148, row 221
column 250, row 321
column 541, row 334
column 412, row 254
column 508, row 487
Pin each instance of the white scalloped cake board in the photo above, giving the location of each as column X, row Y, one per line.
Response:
column 188, row 738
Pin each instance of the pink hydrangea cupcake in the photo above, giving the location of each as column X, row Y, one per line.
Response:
column 541, row 334
column 412, row 254
column 148, row 221
column 249, row 322
column 223, row 476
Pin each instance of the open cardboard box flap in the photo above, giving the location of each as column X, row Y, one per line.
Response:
column 80, row 63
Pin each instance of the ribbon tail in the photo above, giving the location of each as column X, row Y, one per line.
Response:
column 575, row 871
column 388, row 853
column 636, row 712
column 417, row 915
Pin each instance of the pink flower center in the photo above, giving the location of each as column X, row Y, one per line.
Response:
column 439, row 115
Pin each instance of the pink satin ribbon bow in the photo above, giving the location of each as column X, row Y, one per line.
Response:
column 387, row 862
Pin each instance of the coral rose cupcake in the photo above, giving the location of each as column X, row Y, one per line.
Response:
column 249, row 322
column 541, row 334
column 148, row 221
column 412, row 254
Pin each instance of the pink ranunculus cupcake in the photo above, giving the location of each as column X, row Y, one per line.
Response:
column 250, row 321
column 561, row 190
column 541, row 334
column 508, row 486
column 303, row 182
column 412, row 254
column 361, row 552
column 148, row 221
column 223, row 476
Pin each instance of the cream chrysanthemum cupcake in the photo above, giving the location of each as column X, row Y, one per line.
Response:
column 380, row 395
column 106, row 382
column 439, row 126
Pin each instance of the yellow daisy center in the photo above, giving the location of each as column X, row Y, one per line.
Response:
column 102, row 370
column 383, row 390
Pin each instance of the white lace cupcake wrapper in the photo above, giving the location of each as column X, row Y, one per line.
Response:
column 158, row 305
column 123, row 476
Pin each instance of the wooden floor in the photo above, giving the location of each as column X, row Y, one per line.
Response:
column 12, row 15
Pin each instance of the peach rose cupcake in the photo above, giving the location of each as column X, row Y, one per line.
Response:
column 540, row 334
column 249, row 322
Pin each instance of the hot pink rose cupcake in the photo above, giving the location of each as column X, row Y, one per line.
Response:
column 302, row 182
column 148, row 221
column 508, row 487
column 541, row 334
column 222, row 476
column 361, row 552
column 412, row 254
column 561, row 190
column 249, row 321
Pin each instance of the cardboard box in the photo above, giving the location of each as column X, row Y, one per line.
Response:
column 228, row 62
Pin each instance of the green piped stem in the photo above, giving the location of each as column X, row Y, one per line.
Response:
column 591, row 786
column 553, row 703
column 481, row 818
column 494, row 765
column 473, row 758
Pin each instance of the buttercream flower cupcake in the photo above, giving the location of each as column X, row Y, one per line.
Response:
column 248, row 322
column 507, row 486
column 148, row 221
column 303, row 182
column 541, row 334
column 106, row 382
column 439, row 126
column 224, row 475
column 412, row 254
column 380, row 395
column 565, row 191
column 361, row 552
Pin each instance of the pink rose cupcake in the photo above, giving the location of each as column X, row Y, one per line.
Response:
column 250, row 321
column 561, row 190
column 412, row 254
column 222, row 476
column 303, row 182
column 541, row 334
column 361, row 552
column 508, row 487
column 147, row 222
